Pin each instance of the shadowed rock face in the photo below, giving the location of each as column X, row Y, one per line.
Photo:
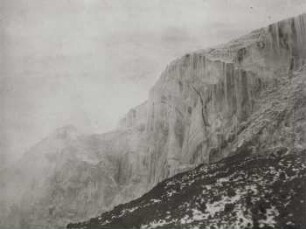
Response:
column 244, row 96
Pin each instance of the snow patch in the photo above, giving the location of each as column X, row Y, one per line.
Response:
column 154, row 224
column 155, row 200
column 198, row 215
column 185, row 220
column 270, row 217
column 219, row 206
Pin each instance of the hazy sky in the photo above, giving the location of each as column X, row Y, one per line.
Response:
column 86, row 62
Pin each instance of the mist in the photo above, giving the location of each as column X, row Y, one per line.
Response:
column 87, row 62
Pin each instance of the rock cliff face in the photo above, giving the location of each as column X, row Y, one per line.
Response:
column 203, row 99
column 135, row 118
column 206, row 106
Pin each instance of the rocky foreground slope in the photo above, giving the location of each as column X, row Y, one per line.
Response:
column 267, row 191
column 206, row 106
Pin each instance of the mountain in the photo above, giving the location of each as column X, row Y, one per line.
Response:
column 244, row 96
column 243, row 100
